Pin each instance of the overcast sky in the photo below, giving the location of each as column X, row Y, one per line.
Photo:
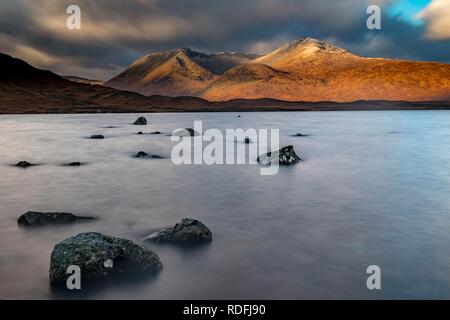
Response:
column 115, row 32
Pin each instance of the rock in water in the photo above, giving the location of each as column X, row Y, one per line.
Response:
column 300, row 135
column 32, row 218
column 189, row 230
column 286, row 156
column 142, row 154
column 75, row 164
column 99, row 256
column 247, row 141
column 24, row 164
column 97, row 136
column 141, row 121
column 186, row 132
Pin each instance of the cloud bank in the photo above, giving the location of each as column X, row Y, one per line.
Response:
column 115, row 32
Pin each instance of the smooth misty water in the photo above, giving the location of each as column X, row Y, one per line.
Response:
column 373, row 189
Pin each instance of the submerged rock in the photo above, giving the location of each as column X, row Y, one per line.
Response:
column 300, row 135
column 97, row 136
column 24, row 164
column 286, row 156
column 188, row 230
column 186, row 132
column 32, row 218
column 142, row 154
column 99, row 256
column 141, row 121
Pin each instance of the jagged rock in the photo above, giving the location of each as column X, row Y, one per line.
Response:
column 186, row 132
column 97, row 136
column 189, row 230
column 141, row 121
column 286, row 156
column 24, row 164
column 99, row 256
column 32, row 218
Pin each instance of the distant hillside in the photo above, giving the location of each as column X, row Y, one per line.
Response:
column 24, row 88
column 83, row 80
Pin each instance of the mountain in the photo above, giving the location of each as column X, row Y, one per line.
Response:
column 182, row 72
column 303, row 70
column 314, row 70
column 24, row 88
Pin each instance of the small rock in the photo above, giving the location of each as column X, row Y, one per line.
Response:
column 300, row 135
column 32, row 218
column 97, row 136
column 140, row 132
column 141, row 121
column 186, row 132
column 100, row 256
column 189, row 230
column 24, row 164
column 75, row 164
column 286, row 156
column 142, row 154
column 247, row 141
column 156, row 132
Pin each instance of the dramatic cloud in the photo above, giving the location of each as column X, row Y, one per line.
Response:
column 115, row 32
column 437, row 16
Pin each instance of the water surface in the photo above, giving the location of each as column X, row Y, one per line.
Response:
column 373, row 189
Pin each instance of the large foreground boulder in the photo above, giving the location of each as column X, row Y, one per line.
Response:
column 141, row 121
column 188, row 230
column 100, row 256
column 32, row 218
column 286, row 156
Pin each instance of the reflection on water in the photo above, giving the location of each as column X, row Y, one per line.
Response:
column 373, row 189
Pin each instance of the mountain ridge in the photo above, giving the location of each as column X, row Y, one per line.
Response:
column 302, row 70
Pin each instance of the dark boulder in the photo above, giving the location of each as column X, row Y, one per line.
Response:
column 32, row 218
column 97, row 136
column 100, row 256
column 186, row 132
column 286, row 156
column 24, row 164
column 188, row 230
column 142, row 154
column 141, row 121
